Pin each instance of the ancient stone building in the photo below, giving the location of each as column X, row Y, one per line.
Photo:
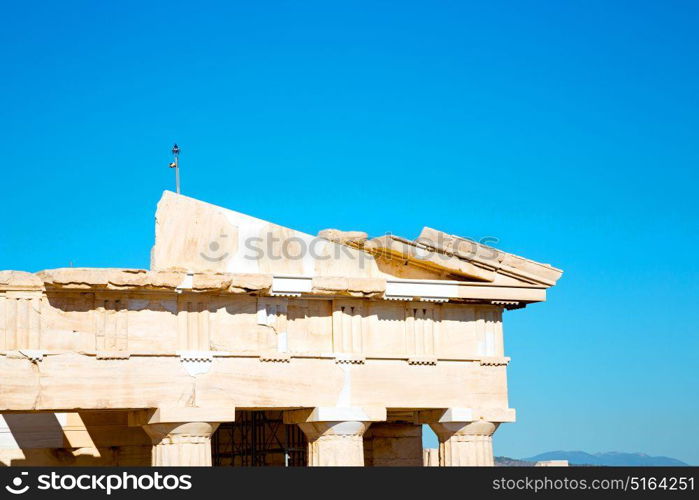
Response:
column 248, row 343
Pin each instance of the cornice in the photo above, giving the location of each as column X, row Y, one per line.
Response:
column 291, row 286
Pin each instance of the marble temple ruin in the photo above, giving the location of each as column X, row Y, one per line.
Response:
column 247, row 343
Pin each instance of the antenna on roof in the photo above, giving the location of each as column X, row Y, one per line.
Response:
column 176, row 165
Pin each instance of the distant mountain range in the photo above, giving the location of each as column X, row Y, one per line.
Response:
column 610, row 458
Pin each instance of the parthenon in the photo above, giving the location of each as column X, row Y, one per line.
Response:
column 248, row 343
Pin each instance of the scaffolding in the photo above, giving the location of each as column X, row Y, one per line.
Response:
column 258, row 438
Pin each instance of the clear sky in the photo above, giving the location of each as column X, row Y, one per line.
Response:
column 568, row 130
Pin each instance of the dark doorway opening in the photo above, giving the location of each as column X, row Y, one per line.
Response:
column 258, row 439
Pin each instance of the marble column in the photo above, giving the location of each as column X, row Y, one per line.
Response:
column 181, row 444
column 465, row 443
column 335, row 443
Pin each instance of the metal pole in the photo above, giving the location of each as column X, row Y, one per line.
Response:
column 176, row 165
column 177, row 174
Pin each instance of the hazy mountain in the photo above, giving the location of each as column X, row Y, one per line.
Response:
column 609, row 458
column 512, row 462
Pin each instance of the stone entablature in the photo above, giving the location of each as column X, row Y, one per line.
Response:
column 385, row 333
column 152, row 322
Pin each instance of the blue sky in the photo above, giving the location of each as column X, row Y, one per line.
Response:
column 568, row 130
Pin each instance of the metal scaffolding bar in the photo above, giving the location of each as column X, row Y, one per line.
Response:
column 259, row 438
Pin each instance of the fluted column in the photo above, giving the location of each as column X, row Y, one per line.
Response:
column 181, row 444
column 335, row 443
column 465, row 443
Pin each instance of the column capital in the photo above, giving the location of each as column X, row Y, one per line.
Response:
column 330, row 430
column 181, row 435
column 449, row 415
column 448, row 430
column 173, row 415
column 181, row 444
column 335, row 414
column 335, row 443
column 335, row 434
column 176, row 433
column 465, row 443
